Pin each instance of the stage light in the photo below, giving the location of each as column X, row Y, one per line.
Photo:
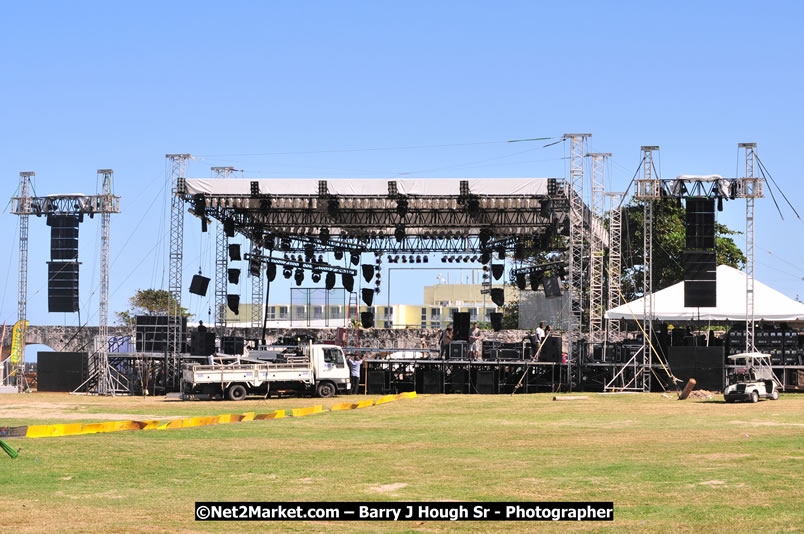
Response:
column 466, row 259
column 333, row 207
column 355, row 258
column 348, row 282
column 535, row 281
column 309, row 252
column 497, row 270
column 286, row 244
column 411, row 259
column 270, row 243
column 323, row 235
column 338, row 253
column 443, row 259
column 451, row 259
column 500, row 251
column 485, row 235
column 320, row 258
column 286, row 272
column 299, row 276
column 519, row 251
column 329, row 281
column 316, row 276
column 265, row 205
column 402, row 207
column 418, row 259
column 404, row 259
column 425, row 259
column 399, row 234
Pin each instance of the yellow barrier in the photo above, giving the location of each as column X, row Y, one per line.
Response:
column 70, row 429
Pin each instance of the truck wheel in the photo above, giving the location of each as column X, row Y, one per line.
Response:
column 326, row 389
column 236, row 392
column 754, row 396
column 775, row 395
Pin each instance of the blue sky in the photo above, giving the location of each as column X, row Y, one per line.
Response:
column 313, row 89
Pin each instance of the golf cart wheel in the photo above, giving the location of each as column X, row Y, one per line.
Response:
column 236, row 393
column 326, row 390
column 775, row 395
column 754, row 396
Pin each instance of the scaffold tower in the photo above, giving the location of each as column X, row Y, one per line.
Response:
column 615, row 262
column 221, row 263
column 752, row 186
column 596, row 249
column 177, row 174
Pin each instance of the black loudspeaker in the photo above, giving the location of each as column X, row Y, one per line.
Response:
column 199, row 285
column 202, row 344
column 496, row 321
column 375, row 382
column 700, row 294
column 460, row 326
column 348, row 282
column 62, row 286
column 368, row 272
column 552, row 286
column 229, row 228
column 368, row 296
column 497, row 270
column 271, row 271
column 329, row 281
column 232, row 344
column 497, row 296
column 234, row 276
column 63, row 237
column 459, row 381
column 700, row 223
column 484, row 382
column 699, row 265
column 431, row 382
column 458, row 350
column 233, row 302
column 367, row 319
column 60, row 371
column 234, row 252
column 551, row 350
column 152, row 332
column 254, row 267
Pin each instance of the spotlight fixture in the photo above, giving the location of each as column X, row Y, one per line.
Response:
column 411, row 259
column 500, row 249
column 354, row 258
column 404, row 259
column 316, row 276
column 299, row 276
column 329, row 282
column 519, row 251
column 320, row 258
column 425, row 259
column 309, row 252
column 333, row 207
column 286, row 272
column 270, row 242
column 323, row 235
column 338, row 253
column 418, row 259
column 286, row 243
column 443, row 259
column 535, row 280
column 485, row 257
column 402, row 207
column 399, row 234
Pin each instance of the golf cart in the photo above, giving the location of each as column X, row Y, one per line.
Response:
column 751, row 379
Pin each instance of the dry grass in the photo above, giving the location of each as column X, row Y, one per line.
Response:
column 692, row 466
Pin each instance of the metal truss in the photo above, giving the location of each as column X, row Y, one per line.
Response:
column 23, row 202
column 104, row 384
column 648, row 189
column 300, row 264
column 178, row 172
column 257, row 295
column 221, row 263
column 754, row 187
column 576, row 245
column 615, row 262
column 596, row 251
column 65, row 204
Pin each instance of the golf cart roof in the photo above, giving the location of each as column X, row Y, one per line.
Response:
column 749, row 356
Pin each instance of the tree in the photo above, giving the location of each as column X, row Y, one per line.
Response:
column 147, row 302
column 669, row 241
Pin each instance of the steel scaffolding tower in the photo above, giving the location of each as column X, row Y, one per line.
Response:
column 22, row 287
column 615, row 261
column 750, row 188
column 596, row 249
column 576, row 238
column 221, row 263
column 257, row 288
column 178, row 173
column 101, row 357
column 648, row 189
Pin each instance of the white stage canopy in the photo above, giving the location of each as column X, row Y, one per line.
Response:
column 668, row 304
column 369, row 186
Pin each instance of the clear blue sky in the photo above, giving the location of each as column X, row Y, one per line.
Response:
column 312, row 85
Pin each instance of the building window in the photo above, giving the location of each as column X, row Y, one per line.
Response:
column 335, row 312
column 271, row 313
column 283, row 313
column 318, row 312
column 300, row 312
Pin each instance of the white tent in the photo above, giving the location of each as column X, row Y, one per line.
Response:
column 668, row 304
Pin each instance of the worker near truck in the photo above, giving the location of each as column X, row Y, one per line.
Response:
column 355, row 362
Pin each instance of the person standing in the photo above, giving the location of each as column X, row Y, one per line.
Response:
column 474, row 339
column 446, row 339
column 540, row 333
column 355, row 363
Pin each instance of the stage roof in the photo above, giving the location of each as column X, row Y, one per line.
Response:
column 769, row 304
column 369, row 186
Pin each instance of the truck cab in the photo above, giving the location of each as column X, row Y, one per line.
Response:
column 329, row 368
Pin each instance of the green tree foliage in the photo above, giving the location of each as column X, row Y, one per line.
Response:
column 669, row 236
column 147, row 302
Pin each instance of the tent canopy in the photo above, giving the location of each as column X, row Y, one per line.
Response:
column 668, row 304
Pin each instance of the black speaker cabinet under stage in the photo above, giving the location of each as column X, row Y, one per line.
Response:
column 202, row 344
column 551, row 350
column 60, row 371
column 232, row 344
column 375, row 382
column 367, row 319
column 62, row 286
column 496, row 319
column 484, row 382
column 460, row 326
column 430, row 381
column 552, row 286
column 199, row 285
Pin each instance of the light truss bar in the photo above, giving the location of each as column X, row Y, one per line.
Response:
column 65, row 205
column 596, row 250
column 178, row 172
column 750, row 152
column 615, row 262
column 575, row 195
column 221, row 263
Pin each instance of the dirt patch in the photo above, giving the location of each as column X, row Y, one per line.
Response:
column 764, row 423
column 720, row 456
column 703, row 394
column 712, row 483
column 388, row 488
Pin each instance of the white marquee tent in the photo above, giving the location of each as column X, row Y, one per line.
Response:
column 668, row 304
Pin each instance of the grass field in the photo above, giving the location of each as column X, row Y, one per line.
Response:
column 668, row 465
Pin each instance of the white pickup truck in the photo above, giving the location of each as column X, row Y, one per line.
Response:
column 312, row 369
